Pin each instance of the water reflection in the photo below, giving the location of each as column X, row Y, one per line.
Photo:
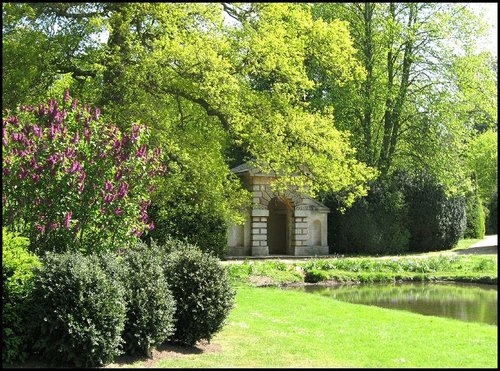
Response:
column 466, row 302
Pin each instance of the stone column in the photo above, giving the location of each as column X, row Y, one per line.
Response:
column 259, row 232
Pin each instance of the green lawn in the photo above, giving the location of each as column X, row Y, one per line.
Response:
column 273, row 328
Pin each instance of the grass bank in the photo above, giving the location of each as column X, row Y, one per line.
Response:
column 431, row 267
column 270, row 327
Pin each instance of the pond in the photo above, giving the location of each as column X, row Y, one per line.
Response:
column 466, row 302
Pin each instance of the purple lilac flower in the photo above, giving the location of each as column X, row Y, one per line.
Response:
column 97, row 113
column 118, row 175
column 136, row 129
column 54, row 225
column 13, row 120
column 42, row 110
column 35, row 177
column 141, row 152
column 144, row 217
column 108, row 198
column 122, row 191
column 76, row 138
column 74, row 103
column 37, row 130
column 27, row 129
column 67, row 219
column 53, row 106
column 52, row 160
column 23, row 173
column 17, row 137
column 5, row 137
column 6, row 171
column 151, row 226
column 70, row 152
column 118, row 211
column 108, row 186
column 152, row 189
column 40, row 228
column 78, row 116
column 75, row 166
column 66, row 96
column 82, row 176
column 86, row 133
column 53, row 131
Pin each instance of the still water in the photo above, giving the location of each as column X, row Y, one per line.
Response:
column 466, row 302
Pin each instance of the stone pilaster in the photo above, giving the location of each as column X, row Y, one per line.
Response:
column 259, row 232
column 301, row 234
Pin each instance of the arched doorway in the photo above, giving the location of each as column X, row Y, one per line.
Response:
column 278, row 226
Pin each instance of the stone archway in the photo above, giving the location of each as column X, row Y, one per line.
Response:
column 279, row 224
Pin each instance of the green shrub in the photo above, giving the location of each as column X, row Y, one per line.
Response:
column 201, row 289
column 17, row 280
column 150, row 304
column 475, row 226
column 315, row 275
column 79, row 312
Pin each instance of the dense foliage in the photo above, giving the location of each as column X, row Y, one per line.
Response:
column 150, row 303
column 201, row 289
column 79, row 311
column 436, row 221
column 72, row 181
column 185, row 221
column 17, row 284
column 492, row 219
column 403, row 213
column 376, row 224
column 475, row 227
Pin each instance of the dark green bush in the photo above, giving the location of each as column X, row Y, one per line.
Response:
column 201, row 289
column 475, row 226
column 17, row 281
column 435, row 221
column 374, row 225
column 492, row 219
column 79, row 312
column 150, row 304
column 183, row 221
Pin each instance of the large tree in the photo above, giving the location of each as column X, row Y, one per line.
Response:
column 425, row 90
column 214, row 92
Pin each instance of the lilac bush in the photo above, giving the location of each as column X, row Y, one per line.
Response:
column 71, row 181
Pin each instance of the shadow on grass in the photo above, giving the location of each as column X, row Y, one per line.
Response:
column 163, row 351
column 160, row 352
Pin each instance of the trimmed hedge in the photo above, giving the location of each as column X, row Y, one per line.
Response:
column 150, row 304
column 201, row 289
column 17, row 280
column 79, row 311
